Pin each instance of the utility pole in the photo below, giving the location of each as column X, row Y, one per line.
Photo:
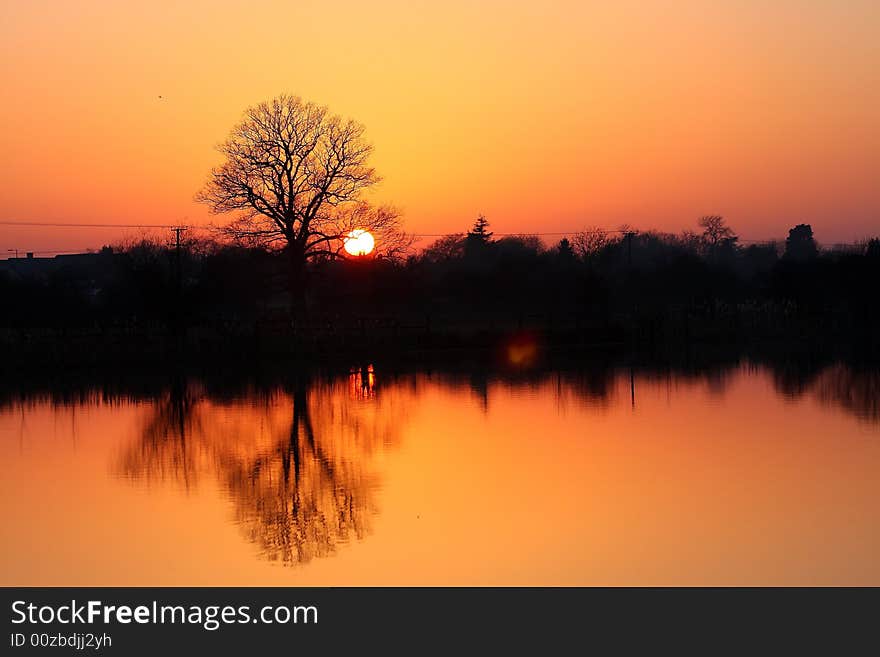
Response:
column 178, row 276
column 629, row 265
column 629, row 248
column 177, row 230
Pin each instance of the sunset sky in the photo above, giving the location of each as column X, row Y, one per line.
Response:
column 545, row 116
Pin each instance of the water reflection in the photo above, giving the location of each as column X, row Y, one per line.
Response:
column 362, row 382
column 171, row 446
column 729, row 472
column 297, row 463
column 857, row 392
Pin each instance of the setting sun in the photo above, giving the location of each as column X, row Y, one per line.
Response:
column 359, row 243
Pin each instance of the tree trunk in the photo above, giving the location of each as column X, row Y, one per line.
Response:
column 297, row 283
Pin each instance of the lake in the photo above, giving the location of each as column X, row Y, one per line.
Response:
column 741, row 475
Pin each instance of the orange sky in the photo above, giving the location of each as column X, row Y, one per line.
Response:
column 542, row 115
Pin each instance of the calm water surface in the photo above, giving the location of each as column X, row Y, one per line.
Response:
column 739, row 477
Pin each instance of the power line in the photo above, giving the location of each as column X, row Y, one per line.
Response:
column 537, row 234
column 173, row 226
column 514, row 234
column 55, row 251
column 60, row 225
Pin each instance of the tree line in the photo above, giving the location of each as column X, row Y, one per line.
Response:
column 471, row 277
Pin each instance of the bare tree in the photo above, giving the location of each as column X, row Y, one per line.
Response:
column 590, row 242
column 295, row 174
column 715, row 230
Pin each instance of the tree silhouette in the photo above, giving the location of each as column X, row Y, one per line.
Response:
column 800, row 245
column 714, row 229
column 478, row 238
column 589, row 243
column 291, row 170
column 564, row 250
column 443, row 249
column 480, row 230
column 716, row 233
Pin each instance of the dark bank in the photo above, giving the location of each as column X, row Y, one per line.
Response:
column 648, row 291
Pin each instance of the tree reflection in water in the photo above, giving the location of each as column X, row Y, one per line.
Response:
column 170, row 448
column 298, row 463
column 855, row 391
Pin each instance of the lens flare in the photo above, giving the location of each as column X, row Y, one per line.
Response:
column 522, row 351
